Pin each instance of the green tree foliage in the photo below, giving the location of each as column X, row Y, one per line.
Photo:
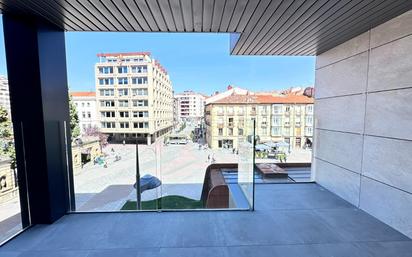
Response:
column 74, row 119
column 6, row 137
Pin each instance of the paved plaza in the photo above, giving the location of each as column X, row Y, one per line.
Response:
column 181, row 168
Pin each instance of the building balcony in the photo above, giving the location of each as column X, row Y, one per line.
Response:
column 289, row 220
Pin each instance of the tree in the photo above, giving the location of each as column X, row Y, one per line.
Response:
column 6, row 137
column 95, row 132
column 74, row 119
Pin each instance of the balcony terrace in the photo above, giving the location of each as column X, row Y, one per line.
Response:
column 289, row 220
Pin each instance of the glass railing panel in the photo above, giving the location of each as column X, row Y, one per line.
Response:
column 104, row 172
column 246, row 166
column 10, row 204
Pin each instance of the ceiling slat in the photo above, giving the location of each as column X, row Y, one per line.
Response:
column 208, row 8
column 166, row 11
column 264, row 27
column 362, row 15
column 84, row 12
column 217, row 15
column 298, row 28
column 322, row 25
column 177, row 14
column 197, row 15
column 187, row 13
column 147, row 14
column 307, row 10
column 108, row 15
column 227, row 15
column 366, row 23
column 240, row 8
column 130, row 15
column 157, row 14
column 273, row 18
column 61, row 8
column 248, row 26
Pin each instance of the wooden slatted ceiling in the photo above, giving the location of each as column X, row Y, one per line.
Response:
column 266, row 27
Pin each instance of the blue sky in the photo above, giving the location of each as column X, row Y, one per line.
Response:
column 197, row 61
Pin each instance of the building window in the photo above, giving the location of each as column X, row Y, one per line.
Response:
column 107, row 103
column 106, row 92
column 220, row 132
column 106, row 70
column 140, row 103
column 140, row 91
column 277, row 109
column 230, row 131
column 123, row 92
column 309, row 131
column 84, row 114
column 139, row 80
column 263, row 110
column 287, row 108
column 82, row 104
column 122, row 81
column 309, row 109
column 108, row 125
column 276, row 131
column 122, row 69
column 108, row 114
column 124, row 114
column 123, row 103
column 240, row 131
column 89, row 115
column 309, row 120
column 277, row 121
column 141, row 125
column 139, row 69
column 124, row 124
column 88, row 104
column 106, row 81
column 142, row 114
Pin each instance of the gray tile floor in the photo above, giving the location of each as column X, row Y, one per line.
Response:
column 290, row 220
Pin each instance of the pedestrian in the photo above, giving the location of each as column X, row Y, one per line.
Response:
column 208, row 158
column 234, row 151
column 124, row 142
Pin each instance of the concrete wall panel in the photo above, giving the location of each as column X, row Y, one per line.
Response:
column 343, row 78
column 389, row 161
column 388, row 204
column 350, row 48
column 389, row 114
column 341, row 113
column 343, row 149
column 342, row 182
column 388, row 67
column 392, row 30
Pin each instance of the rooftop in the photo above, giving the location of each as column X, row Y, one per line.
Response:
column 83, row 94
column 264, row 99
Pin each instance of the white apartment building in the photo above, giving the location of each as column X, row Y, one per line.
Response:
column 134, row 97
column 190, row 106
column 86, row 109
column 4, row 94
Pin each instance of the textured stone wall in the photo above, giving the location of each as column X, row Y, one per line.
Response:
column 363, row 110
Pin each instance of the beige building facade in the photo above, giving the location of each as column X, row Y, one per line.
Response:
column 134, row 97
column 4, row 94
column 280, row 118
